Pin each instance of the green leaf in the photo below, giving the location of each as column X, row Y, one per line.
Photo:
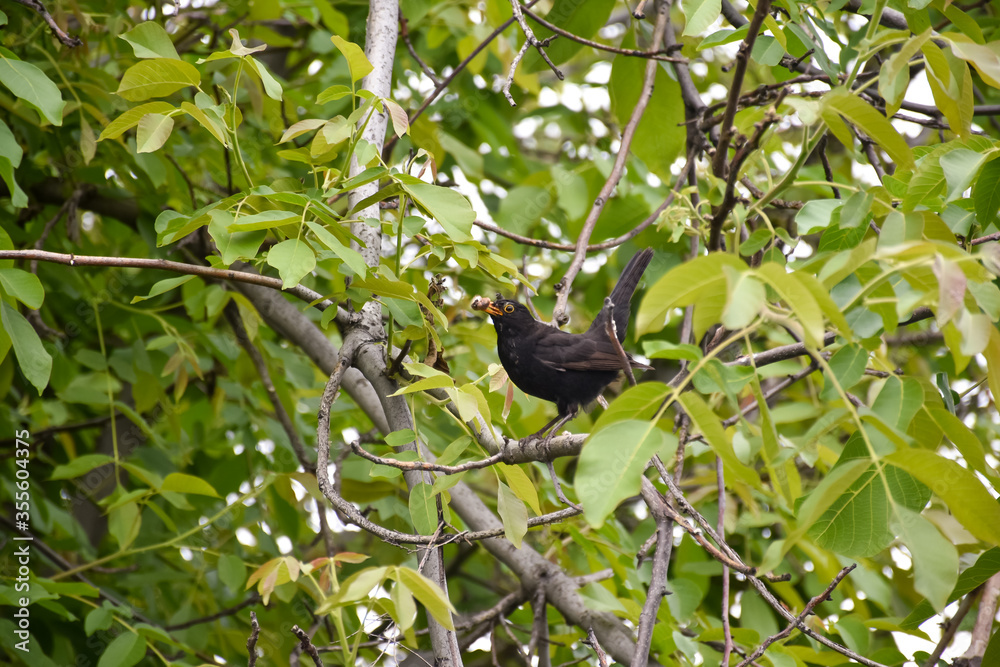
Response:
column 935, row 559
column 848, row 367
column 154, row 130
column 23, row 286
column 157, row 78
column 798, row 298
column 126, row 650
column 699, row 15
column 271, row 86
column 80, row 466
column 960, row 168
column 35, row 362
column 816, row 215
column 683, row 285
column 182, row 483
column 9, row 148
column 18, row 198
column 611, row 465
column 351, row 257
column 233, row 245
column 423, row 509
column 658, row 139
column 870, row 121
column 163, row 286
column 958, row 487
column 428, row 594
column 98, row 619
column 232, row 572
column 30, row 84
column 131, row 118
column 294, row 260
column 150, row 40
column 356, row 60
column 124, row 522
column 447, row 206
column 638, row 402
column 406, row 608
column 514, row 514
column 986, row 193
column 746, row 299
column 522, row 485
column 213, row 125
column 263, row 220
column 856, row 523
column 971, row 578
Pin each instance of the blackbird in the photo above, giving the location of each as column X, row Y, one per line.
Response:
column 571, row 370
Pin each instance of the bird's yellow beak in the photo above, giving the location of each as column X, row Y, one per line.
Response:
column 485, row 305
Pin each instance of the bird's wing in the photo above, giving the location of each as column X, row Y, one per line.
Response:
column 574, row 352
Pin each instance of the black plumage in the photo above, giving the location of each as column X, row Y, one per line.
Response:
column 571, row 370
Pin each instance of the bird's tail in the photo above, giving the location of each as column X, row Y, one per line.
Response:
column 621, row 295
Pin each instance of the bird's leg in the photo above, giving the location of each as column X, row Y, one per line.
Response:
column 553, row 427
column 559, row 492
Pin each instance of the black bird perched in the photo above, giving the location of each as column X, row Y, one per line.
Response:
column 571, row 370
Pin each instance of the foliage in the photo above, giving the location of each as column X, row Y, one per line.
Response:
column 172, row 408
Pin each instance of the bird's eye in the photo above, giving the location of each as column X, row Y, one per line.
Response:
column 509, row 308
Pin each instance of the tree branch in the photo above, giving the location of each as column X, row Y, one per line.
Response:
column 564, row 287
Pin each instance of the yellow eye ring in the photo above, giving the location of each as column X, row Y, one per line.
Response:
column 508, row 308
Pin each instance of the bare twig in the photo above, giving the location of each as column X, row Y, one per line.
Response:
column 827, row 169
column 591, row 641
column 604, row 245
column 951, row 627
column 253, row 599
column 252, row 640
column 739, row 72
column 983, row 627
column 658, row 580
column 720, row 481
column 798, row 621
column 612, row 332
column 529, row 40
column 638, row 53
column 404, row 32
column 424, row 465
column 559, row 315
column 299, row 291
column 39, row 8
column 306, row 645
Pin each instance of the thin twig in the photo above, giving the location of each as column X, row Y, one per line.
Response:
column 658, row 55
column 306, row 645
column 252, row 640
column 797, row 622
column 604, row 245
column 612, row 332
column 739, row 72
column 951, row 627
column 299, row 291
column 424, row 465
column 253, row 599
column 720, row 483
column 405, row 34
column 37, row 6
column 658, row 579
column 591, row 641
column 565, row 285
column 529, row 40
